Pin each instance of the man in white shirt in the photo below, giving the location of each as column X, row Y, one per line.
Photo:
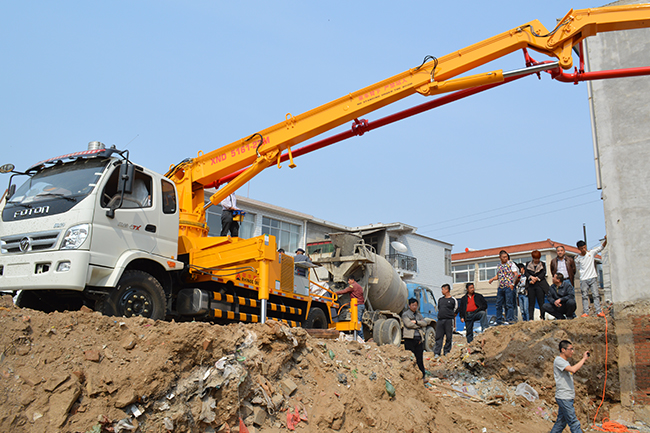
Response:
column 565, row 392
column 588, row 276
column 229, row 205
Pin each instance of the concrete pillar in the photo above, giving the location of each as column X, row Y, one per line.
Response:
column 620, row 114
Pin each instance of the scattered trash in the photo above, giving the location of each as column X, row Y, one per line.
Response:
column 390, row 389
column 343, row 379
column 137, row 411
column 124, row 424
column 169, row 424
column 372, row 376
column 242, row 426
column 527, row 392
column 331, row 354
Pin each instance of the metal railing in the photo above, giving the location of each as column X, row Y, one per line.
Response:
column 402, row 261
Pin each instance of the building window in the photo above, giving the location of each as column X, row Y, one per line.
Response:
column 487, row 270
column 287, row 235
column 246, row 227
column 447, row 262
column 463, row 273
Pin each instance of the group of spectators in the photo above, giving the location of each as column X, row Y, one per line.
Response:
column 526, row 285
column 523, row 284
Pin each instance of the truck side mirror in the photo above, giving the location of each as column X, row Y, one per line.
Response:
column 7, row 168
column 125, row 183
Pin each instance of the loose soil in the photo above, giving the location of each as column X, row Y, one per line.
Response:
column 84, row 372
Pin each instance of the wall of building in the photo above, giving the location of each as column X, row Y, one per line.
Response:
column 620, row 113
column 431, row 260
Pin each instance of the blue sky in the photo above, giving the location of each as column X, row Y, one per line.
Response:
column 169, row 78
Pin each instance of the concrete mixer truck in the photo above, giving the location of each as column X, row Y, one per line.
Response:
column 385, row 293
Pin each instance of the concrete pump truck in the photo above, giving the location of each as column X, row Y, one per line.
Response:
column 95, row 228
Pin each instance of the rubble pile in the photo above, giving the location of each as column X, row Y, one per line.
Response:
column 84, row 372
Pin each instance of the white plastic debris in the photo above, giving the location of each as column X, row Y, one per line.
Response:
column 168, row 423
column 527, row 392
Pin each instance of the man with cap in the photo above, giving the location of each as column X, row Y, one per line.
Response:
column 414, row 326
column 301, row 257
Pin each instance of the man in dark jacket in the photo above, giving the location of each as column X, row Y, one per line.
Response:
column 447, row 307
column 414, row 331
column 473, row 307
column 561, row 297
column 563, row 264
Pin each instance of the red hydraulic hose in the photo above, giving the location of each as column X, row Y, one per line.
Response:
column 363, row 126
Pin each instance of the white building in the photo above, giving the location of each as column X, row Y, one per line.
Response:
column 426, row 261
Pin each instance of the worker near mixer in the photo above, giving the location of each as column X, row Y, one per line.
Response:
column 356, row 291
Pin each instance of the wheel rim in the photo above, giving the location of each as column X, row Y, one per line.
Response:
column 136, row 302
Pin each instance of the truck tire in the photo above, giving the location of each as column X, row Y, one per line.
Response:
column 137, row 294
column 376, row 334
column 316, row 319
column 429, row 338
column 48, row 301
column 391, row 333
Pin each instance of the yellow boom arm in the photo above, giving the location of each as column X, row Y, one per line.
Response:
column 264, row 148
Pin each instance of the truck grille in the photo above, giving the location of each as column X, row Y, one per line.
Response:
column 29, row 242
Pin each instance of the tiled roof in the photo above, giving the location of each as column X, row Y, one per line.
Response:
column 512, row 249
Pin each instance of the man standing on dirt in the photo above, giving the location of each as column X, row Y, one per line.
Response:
column 447, row 307
column 589, row 277
column 473, row 307
column 414, row 326
column 564, row 391
column 356, row 291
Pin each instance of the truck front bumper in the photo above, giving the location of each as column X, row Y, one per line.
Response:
column 56, row 270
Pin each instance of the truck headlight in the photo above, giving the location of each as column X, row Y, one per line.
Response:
column 75, row 237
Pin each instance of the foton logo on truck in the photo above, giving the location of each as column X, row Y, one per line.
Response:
column 31, row 211
column 129, row 226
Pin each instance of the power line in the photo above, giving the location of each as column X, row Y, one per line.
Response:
column 519, row 219
column 501, row 214
column 511, row 205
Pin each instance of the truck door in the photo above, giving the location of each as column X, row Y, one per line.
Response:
column 135, row 223
column 428, row 306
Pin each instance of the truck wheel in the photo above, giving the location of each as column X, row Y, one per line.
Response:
column 376, row 334
column 429, row 339
column 48, row 301
column 391, row 333
column 137, row 294
column 316, row 319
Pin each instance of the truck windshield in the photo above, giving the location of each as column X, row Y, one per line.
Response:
column 71, row 181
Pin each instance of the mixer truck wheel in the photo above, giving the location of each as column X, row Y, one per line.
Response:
column 391, row 333
column 137, row 294
column 429, row 339
column 316, row 319
column 376, row 334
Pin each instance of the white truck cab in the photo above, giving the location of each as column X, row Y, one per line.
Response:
column 82, row 227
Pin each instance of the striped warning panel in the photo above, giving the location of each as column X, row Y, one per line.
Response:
column 284, row 309
column 249, row 302
column 231, row 315
column 291, row 323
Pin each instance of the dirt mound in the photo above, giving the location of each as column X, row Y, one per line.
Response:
column 84, row 372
